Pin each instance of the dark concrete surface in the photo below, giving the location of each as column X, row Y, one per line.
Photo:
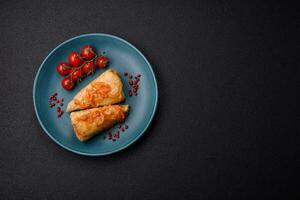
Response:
column 227, row 121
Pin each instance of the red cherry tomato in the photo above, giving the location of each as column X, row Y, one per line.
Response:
column 63, row 68
column 74, row 59
column 76, row 74
column 88, row 52
column 102, row 61
column 89, row 68
column 67, row 83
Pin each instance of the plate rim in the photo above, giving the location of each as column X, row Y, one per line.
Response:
column 108, row 152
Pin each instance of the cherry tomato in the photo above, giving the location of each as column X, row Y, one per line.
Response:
column 63, row 68
column 74, row 59
column 102, row 61
column 67, row 83
column 88, row 52
column 76, row 74
column 89, row 68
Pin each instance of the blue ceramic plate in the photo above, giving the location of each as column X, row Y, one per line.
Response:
column 124, row 57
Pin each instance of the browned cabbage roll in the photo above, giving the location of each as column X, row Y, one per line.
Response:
column 87, row 123
column 107, row 89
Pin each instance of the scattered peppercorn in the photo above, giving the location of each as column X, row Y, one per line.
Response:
column 53, row 99
column 116, row 135
column 60, row 113
column 133, row 83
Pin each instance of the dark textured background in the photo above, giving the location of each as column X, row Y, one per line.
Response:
column 227, row 118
